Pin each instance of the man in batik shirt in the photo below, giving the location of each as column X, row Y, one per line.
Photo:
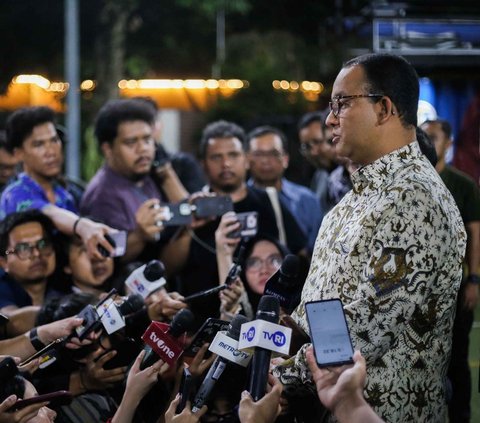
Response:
column 392, row 249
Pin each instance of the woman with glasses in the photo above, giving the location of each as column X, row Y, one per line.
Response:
column 263, row 256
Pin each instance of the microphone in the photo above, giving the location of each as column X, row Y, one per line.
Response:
column 147, row 278
column 285, row 285
column 163, row 340
column 226, row 348
column 268, row 310
column 112, row 315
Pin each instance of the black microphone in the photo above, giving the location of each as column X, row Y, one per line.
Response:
column 166, row 343
column 285, row 285
column 269, row 310
column 218, row 365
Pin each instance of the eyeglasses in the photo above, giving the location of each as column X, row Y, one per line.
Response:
column 336, row 104
column 307, row 146
column 24, row 250
column 270, row 154
column 255, row 263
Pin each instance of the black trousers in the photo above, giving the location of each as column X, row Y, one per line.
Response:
column 459, row 371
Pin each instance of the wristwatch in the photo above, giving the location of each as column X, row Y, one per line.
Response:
column 35, row 340
column 473, row 278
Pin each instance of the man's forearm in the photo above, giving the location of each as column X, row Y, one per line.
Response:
column 64, row 220
column 473, row 247
column 21, row 319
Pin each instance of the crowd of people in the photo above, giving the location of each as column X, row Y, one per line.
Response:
column 386, row 226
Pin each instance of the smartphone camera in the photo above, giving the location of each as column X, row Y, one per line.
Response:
column 248, row 225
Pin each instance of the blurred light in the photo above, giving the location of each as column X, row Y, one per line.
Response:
column 315, row 86
column 294, row 85
column 284, row 85
column 194, row 84
column 211, row 84
column 222, row 83
column 246, row 84
column 122, row 84
column 132, row 84
column 235, row 84
column 306, row 85
column 32, row 79
column 88, row 85
column 276, row 84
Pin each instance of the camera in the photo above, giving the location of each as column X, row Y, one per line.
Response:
column 177, row 214
column 248, row 225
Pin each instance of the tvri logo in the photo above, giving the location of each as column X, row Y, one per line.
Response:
column 278, row 338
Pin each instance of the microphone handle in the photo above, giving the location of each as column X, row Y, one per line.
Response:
column 259, row 370
column 208, row 383
column 149, row 358
column 203, row 294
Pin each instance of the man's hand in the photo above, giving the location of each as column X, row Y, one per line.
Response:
column 163, row 305
column 149, row 217
column 94, row 376
column 139, row 382
column 20, row 416
column 199, row 363
column 93, row 235
column 470, row 296
column 224, row 244
column 265, row 410
column 230, row 297
column 339, row 385
column 186, row 416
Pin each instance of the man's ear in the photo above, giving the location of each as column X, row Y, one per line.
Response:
column 386, row 110
column 67, row 269
column 106, row 150
column 18, row 153
column 285, row 160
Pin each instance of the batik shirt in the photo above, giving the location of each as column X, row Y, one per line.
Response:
column 25, row 194
column 391, row 250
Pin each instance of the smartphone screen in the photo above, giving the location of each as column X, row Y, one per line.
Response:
column 329, row 333
column 120, row 242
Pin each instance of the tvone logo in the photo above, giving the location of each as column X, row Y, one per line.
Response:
column 161, row 345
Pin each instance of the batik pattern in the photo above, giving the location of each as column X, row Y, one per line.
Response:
column 392, row 250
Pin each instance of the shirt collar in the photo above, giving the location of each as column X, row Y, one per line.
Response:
column 374, row 175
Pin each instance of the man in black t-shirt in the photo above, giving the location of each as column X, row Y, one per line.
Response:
column 192, row 256
column 467, row 197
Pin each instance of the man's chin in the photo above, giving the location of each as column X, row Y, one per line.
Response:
column 229, row 188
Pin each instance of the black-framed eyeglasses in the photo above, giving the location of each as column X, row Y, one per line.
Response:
column 336, row 104
column 24, row 250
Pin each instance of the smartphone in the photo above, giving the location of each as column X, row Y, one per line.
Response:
column 119, row 242
column 177, row 214
column 206, row 333
column 127, row 351
column 91, row 321
column 248, row 225
column 41, row 352
column 213, row 206
column 55, row 399
column 329, row 333
column 185, row 389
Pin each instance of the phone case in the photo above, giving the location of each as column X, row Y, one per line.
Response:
column 213, row 206
column 309, row 309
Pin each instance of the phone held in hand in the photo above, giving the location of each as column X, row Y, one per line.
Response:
column 185, row 390
column 329, row 333
column 205, row 334
column 54, row 399
column 248, row 225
